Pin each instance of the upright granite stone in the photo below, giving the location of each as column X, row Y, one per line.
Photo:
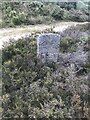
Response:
column 48, row 47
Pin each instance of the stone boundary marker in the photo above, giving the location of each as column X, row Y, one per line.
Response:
column 48, row 45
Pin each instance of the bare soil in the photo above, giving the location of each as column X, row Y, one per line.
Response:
column 16, row 33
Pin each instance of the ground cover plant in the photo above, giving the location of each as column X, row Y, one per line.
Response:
column 34, row 90
column 35, row 12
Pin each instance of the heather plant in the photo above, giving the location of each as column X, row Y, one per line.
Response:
column 35, row 90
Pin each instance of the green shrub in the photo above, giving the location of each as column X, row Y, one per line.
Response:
column 21, row 13
column 77, row 15
column 66, row 15
column 0, row 24
column 16, row 20
column 87, row 43
column 67, row 44
column 22, row 17
column 57, row 13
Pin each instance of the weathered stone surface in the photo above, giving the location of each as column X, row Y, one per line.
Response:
column 48, row 47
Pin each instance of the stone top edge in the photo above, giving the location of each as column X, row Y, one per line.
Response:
column 48, row 34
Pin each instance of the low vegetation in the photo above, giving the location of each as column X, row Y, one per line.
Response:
column 31, row 13
column 35, row 90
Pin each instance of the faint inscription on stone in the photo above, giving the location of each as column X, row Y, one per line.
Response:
column 48, row 47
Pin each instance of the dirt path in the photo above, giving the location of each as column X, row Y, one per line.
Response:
column 8, row 33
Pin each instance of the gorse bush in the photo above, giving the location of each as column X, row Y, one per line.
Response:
column 57, row 13
column 18, row 13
